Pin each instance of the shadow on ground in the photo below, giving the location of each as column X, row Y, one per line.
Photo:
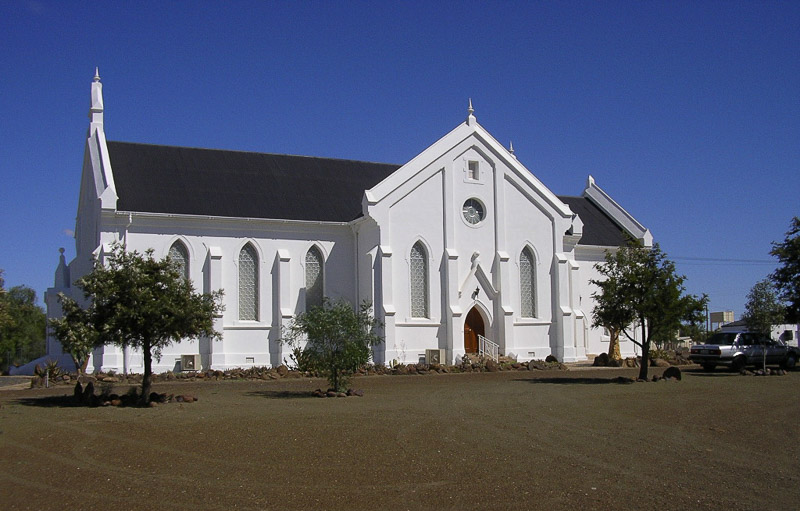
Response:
column 49, row 402
column 566, row 380
column 280, row 394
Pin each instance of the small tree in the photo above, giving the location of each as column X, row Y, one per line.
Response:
column 143, row 303
column 338, row 339
column 640, row 288
column 787, row 277
column 75, row 331
column 763, row 311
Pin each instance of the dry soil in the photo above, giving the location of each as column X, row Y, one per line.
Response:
column 508, row 440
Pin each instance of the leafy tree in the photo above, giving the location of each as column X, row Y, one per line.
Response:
column 640, row 289
column 22, row 334
column 75, row 331
column 5, row 318
column 763, row 310
column 338, row 339
column 787, row 277
column 143, row 303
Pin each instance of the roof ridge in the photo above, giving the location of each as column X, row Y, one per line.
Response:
column 194, row 148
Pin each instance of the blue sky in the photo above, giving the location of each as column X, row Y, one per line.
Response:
column 686, row 113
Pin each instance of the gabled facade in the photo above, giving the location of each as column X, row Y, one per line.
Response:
column 459, row 246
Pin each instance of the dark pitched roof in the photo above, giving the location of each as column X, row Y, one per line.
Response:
column 213, row 182
column 599, row 229
column 183, row 180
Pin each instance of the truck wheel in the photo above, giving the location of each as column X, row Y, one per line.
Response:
column 709, row 367
column 790, row 362
column 739, row 363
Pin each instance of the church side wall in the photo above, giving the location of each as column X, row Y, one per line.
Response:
column 213, row 247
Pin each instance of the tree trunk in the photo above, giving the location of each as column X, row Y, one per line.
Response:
column 613, row 344
column 645, row 354
column 148, row 371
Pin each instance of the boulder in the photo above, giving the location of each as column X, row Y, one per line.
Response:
column 551, row 358
column 88, row 394
column 492, row 366
column 283, row 370
column 672, row 372
column 659, row 362
column 601, row 360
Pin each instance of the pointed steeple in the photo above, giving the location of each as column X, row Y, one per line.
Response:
column 96, row 108
column 470, row 113
column 61, row 280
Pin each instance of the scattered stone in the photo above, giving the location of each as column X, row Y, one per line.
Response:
column 492, row 366
column 659, row 362
column 656, row 377
column 283, row 370
column 85, row 378
column 331, row 393
column 110, row 379
column 341, row 394
column 551, row 358
column 116, row 402
column 672, row 372
column 631, row 362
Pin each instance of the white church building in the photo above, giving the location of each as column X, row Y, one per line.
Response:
column 460, row 249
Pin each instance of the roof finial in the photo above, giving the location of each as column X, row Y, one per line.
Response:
column 96, row 75
column 471, row 111
column 511, row 146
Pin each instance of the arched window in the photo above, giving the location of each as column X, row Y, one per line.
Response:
column 527, row 284
column 248, row 283
column 418, row 280
column 314, row 278
column 180, row 256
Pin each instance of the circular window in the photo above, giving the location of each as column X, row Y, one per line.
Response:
column 473, row 211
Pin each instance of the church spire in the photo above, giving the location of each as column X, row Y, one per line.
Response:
column 96, row 108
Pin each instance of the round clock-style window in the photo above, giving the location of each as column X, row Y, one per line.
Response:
column 473, row 211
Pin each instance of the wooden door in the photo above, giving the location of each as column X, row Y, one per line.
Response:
column 473, row 327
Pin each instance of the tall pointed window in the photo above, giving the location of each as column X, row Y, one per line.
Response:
column 314, row 278
column 248, row 283
column 527, row 284
column 180, row 256
column 419, row 281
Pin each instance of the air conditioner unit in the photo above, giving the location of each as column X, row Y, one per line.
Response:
column 190, row 362
column 436, row 356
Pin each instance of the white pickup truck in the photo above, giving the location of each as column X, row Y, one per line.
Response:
column 740, row 349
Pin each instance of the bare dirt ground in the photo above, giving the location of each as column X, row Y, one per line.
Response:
column 507, row 440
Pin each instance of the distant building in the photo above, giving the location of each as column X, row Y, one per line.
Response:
column 459, row 246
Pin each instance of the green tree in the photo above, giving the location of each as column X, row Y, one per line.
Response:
column 787, row 277
column 5, row 318
column 640, row 289
column 143, row 303
column 337, row 339
column 22, row 334
column 763, row 310
column 75, row 331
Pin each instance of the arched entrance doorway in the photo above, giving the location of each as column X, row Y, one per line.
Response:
column 473, row 327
